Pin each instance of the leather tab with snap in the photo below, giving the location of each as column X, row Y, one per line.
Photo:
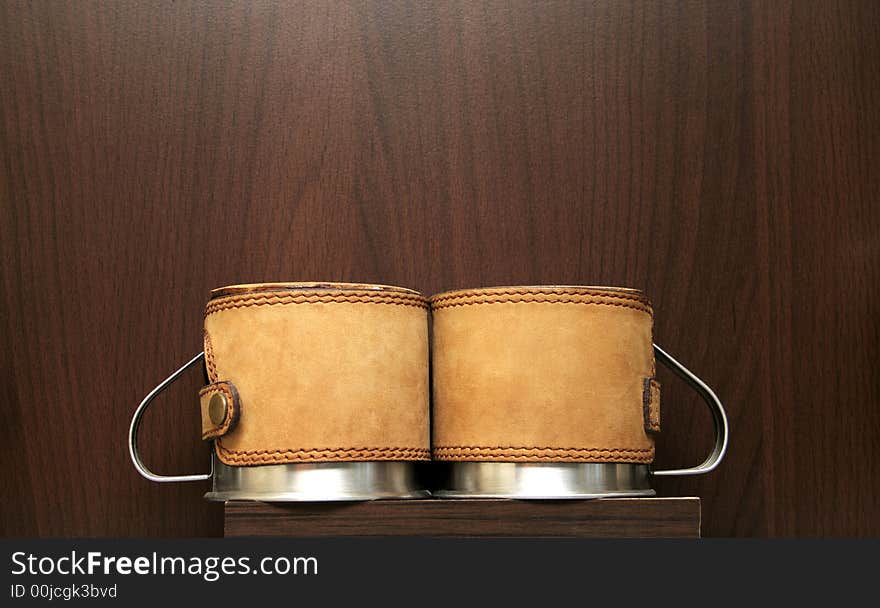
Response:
column 221, row 409
column 651, row 405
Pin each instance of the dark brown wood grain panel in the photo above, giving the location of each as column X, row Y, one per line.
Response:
column 606, row 518
column 830, row 408
column 720, row 156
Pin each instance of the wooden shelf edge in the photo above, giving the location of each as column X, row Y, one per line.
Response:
column 601, row 518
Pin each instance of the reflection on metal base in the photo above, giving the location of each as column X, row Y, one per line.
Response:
column 543, row 480
column 316, row 482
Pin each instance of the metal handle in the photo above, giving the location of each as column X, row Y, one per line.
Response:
column 136, row 422
column 719, row 417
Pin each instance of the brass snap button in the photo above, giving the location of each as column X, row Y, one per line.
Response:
column 217, row 408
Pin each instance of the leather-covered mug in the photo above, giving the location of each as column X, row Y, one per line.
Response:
column 550, row 392
column 317, row 392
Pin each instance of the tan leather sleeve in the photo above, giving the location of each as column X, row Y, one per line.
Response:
column 542, row 374
column 323, row 375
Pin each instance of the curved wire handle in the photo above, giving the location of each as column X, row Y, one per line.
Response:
column 136, row 422
column 719, row 417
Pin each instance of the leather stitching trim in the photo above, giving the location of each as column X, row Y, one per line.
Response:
column 233, row 409
column 457, row 295
column 651, row 405
column 210, row 364
column 243, row 457
column 543, row 453
column 540, row 298
column 281, row 299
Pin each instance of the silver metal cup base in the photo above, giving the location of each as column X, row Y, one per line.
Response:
column 316, row 482
column 545, row 480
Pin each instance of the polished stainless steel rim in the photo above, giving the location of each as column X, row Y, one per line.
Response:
column 316, row 482
column 543, row 480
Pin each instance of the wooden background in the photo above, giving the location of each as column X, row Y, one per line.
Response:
column 722, row 156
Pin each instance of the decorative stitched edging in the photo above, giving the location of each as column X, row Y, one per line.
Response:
column 210, row 364
column 520, row 291
column 285, row 298
column 506, row 453
column 556, row 296
column 248, row 457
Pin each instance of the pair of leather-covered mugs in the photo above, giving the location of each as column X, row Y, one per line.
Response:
column 332, row 391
